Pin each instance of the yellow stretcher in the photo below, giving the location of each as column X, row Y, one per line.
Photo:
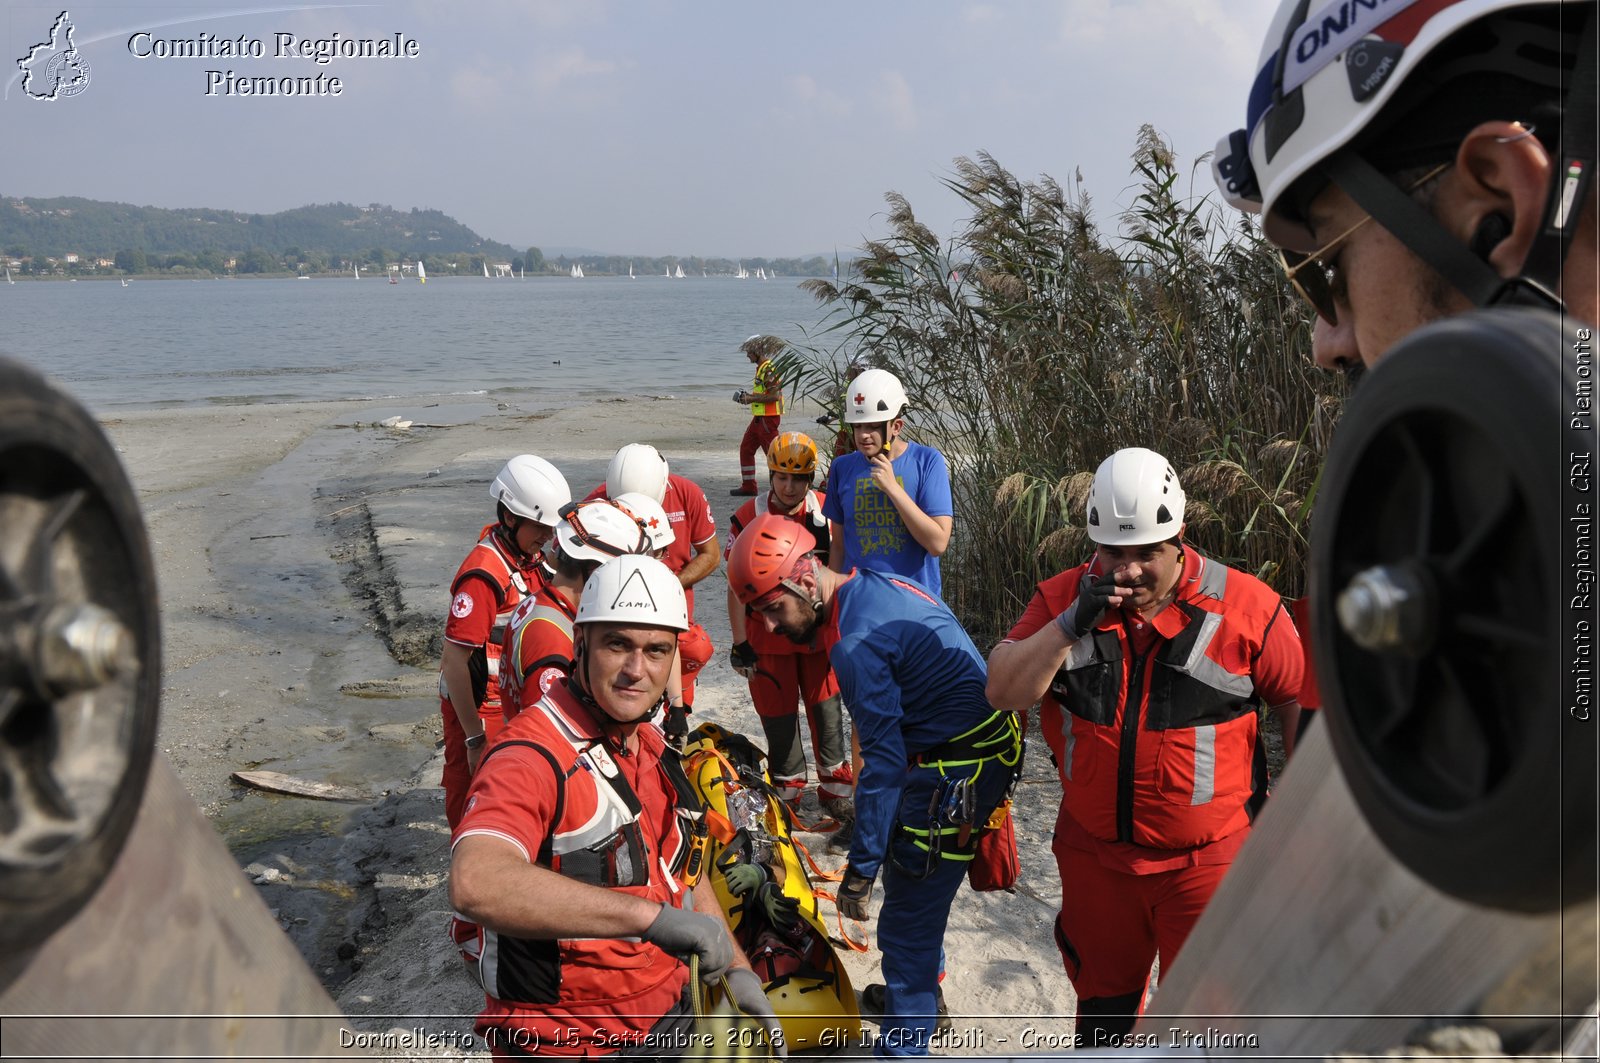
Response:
column 807, row 984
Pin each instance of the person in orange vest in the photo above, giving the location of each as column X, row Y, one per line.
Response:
column 765, row 400
column 499, row 572
column 1150, row 661
column 777, row 669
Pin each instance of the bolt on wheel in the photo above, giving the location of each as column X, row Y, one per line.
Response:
column 80, row 665
column 1437, row 613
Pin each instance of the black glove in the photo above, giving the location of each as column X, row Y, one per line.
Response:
column 1094, row 595
column 675, row 725
column 743, row 659
column 683, row 933
column 855, row 892
column 782, row 910
column 751, row 998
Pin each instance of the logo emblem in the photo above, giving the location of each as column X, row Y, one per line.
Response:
column 55, row 69
column 461, row 607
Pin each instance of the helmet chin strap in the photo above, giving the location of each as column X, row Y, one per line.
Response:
column 1572, row 172
column 580, row 686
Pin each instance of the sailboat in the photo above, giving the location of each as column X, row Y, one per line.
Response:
column 8, row 274
column 630, row 272
column 521, row 273
column 485, row 269
column 394, row 275
column 577, row 270
column 679, row 274
column 355, row 267
column 743, row 273
column 124, row 282
column 667, row 273
column 422, row 274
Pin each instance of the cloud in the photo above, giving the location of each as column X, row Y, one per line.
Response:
column 894, row 98
column 816, row 100
column 550, row 71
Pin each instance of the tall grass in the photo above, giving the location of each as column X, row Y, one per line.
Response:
column 1033, row 346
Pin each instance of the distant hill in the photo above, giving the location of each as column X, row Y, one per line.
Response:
column 55, row 227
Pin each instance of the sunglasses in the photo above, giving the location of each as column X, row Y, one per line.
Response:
column 572, row 513
column 1315, row 285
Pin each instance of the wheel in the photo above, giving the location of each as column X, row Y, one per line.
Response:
column 1440, row 623
column 80, row 666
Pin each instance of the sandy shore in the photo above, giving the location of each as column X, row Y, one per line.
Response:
column 304, row 555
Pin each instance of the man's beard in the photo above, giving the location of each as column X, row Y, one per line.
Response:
column 806, row 634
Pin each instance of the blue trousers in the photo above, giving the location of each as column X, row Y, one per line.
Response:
column 917, row 894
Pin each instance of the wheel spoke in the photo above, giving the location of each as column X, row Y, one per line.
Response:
column 1415, row 467
column 38, row 559
column 1486, row 529
column 1398, row 682
column 1498, row 631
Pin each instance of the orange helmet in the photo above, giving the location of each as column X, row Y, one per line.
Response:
column 793, row 452
column 764, row 556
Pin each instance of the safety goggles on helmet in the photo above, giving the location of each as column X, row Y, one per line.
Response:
column 1312, row 277
column 600, row 528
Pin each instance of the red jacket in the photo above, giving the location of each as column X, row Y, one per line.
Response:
column 763, row 641
column 490, row 563
column 1161, row 748
column 537, row 648
column 542, row 788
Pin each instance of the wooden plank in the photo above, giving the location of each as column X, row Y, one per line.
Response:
column 175, row 955
column 1319, row 941
column 278, row 783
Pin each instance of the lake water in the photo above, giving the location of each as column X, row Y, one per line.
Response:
column 283, row 340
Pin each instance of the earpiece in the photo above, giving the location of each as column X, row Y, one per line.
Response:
column 1491, row 231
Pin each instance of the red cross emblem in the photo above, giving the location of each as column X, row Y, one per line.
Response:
column 652, row 522
column 860, row 399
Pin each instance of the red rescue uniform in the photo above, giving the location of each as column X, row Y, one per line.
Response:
column 544, row 788
column 1153, row 728
column 537, row 649
column 487, row 588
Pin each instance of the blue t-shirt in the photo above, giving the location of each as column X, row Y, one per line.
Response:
column 874, row 536
column 913, row 680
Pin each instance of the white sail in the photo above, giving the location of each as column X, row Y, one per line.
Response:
column 485, row 269
column 679, row 274
column 8, row 274
column 422, row 274
column 355, row 267
column 630, row 272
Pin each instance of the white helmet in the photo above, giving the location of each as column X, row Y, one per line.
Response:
column 651, row 517
column 637, row 467
column 873, row 397
column 634, row 589
column 598, row 531
column 1324, row 79
column 531, row 487
column 1135, row 500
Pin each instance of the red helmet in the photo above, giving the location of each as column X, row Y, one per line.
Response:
column 764, row 556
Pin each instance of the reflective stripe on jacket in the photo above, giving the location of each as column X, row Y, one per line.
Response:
column 601, row 835
column 490, row 561
column 1163, row 749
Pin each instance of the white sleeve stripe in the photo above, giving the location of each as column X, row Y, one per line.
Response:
column 486, row 832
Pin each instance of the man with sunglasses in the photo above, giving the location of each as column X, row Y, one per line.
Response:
column 537, row 649
column 1420, row 158
column 937, row 758
column 1149, row 662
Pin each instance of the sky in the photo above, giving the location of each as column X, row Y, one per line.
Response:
column 693, row 127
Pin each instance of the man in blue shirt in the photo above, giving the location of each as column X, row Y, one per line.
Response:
column 937, row 757
column 888, row 503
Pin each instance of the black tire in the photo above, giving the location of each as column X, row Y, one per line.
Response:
column 1449, row 462
column 72, row 766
